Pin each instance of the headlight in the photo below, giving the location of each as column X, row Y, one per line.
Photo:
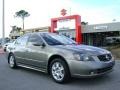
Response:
column 85, row 57
column 82, row 57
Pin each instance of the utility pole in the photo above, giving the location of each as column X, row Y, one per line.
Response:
column 3, row 22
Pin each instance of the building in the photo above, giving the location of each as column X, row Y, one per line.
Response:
column 96, row 34
column 16, row 34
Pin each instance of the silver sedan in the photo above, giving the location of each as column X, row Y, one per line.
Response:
column 59, row 56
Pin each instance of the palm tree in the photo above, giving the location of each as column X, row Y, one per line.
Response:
column 84, row 23
column 22, row 14
column 15, row 29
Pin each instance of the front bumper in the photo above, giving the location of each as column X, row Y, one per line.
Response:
column 90, row 68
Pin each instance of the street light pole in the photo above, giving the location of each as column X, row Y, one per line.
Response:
column 3, row 23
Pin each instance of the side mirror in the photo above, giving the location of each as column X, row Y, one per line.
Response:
column 43, row 45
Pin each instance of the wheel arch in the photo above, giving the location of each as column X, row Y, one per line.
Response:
column 54, row 57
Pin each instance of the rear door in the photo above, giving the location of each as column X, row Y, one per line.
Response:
column 20, row 49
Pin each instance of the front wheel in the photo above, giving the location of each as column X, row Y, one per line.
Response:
column 59, row 71
column 11, row 61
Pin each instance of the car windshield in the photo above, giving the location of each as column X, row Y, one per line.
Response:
column 55, row 39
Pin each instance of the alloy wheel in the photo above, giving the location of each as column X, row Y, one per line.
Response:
column 11, row 61
column 57, row 71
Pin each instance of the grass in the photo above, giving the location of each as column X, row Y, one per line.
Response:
column 115, row 51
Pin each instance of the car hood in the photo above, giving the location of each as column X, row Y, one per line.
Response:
column 84, row 49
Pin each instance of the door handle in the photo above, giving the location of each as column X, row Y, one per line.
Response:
column 11, row 48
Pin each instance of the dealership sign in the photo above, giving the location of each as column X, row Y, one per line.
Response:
column 100, row 27
column 65, row 24
column 63, row 12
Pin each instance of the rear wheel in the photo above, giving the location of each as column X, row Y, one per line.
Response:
column 11, row 61
column 59, row 71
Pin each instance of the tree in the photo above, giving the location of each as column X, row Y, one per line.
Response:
column 15, row 29
column 22, row 14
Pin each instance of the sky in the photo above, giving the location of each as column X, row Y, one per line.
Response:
column 41, row 11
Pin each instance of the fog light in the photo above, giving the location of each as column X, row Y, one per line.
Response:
column 92, row 73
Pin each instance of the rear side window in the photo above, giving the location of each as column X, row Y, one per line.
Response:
column 34, row 38
column 22, row 40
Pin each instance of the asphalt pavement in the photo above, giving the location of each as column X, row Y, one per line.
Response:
column 26, row 79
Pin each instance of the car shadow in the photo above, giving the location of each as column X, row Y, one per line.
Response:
column 90, row 82
column 73, row 81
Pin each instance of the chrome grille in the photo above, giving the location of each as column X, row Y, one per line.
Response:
column 105, row 57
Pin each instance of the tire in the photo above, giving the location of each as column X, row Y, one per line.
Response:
column 11, row 61
column 59, row 71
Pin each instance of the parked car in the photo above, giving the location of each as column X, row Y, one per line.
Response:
column 112, row 40
column 59, row 56
column 6, row 40
column 6, row 44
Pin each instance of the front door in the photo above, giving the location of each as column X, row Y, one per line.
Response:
column 36, row 55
